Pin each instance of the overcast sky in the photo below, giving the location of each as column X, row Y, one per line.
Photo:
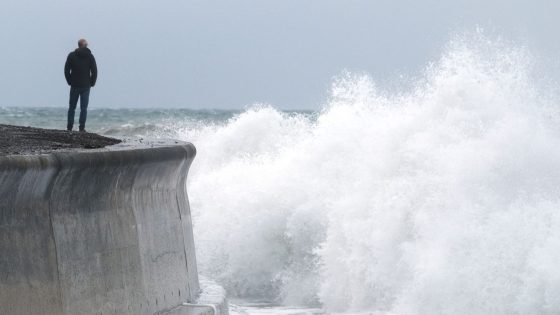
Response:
column 230, row 54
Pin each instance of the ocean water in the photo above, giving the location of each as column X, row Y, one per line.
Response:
column 439, row 198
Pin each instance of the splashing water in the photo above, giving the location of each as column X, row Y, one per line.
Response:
column 439, row 199
column 443, row 199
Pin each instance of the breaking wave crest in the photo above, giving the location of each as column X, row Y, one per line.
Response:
column 443, row 198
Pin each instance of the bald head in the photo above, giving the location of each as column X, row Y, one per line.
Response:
column 82, row 43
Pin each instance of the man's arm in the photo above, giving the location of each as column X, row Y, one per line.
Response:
column 67, row 68
column 93, row 77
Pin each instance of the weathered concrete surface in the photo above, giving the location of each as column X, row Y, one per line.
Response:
column 100, row 232
column 191, row 310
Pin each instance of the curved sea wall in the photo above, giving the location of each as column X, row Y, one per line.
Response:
column 96, row 232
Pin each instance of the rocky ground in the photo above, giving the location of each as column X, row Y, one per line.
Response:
column 28, row 140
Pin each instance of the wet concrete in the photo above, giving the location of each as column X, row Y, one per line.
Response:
column 96, row 231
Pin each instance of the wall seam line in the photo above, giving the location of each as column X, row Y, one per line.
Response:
column 49, row 194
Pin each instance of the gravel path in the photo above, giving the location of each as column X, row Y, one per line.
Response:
column 28, row 140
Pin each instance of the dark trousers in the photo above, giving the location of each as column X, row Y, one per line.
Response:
column 83, row 95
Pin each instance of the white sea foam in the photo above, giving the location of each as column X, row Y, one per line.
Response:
column 440, row 200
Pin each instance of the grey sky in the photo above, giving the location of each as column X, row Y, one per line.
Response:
column 230, row 54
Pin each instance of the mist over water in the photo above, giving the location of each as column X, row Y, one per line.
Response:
column 440, row 198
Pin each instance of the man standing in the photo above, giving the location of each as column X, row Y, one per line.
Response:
column 80, row 71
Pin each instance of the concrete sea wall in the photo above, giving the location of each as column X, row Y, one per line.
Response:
column 96, row 232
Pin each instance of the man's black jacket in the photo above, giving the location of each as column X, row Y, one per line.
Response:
column 80, row 69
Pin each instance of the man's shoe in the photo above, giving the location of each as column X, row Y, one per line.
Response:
column 83, row 130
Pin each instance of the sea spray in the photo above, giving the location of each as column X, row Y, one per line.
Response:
column 440, row 199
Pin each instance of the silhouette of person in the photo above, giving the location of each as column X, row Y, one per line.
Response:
column 80, row 71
